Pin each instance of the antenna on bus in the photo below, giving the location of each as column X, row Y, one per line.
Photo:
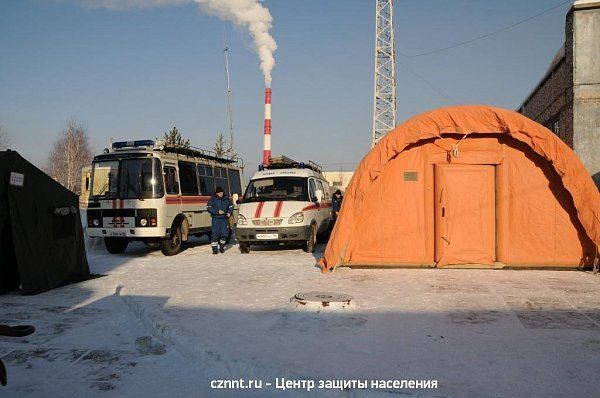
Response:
column 225, row 53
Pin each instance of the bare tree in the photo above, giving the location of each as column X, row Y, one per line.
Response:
column 221, row 148
column 4, row 139
column 70, row 153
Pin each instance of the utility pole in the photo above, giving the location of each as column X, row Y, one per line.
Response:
column 384, row 96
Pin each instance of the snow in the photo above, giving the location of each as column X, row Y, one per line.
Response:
column 478, row 332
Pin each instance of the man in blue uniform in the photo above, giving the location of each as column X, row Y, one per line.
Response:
column 336, row 203
column 220, row 209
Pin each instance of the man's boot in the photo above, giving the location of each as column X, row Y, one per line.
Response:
column 221, row 247
column 215, row 248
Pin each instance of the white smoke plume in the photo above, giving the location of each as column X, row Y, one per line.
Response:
column 249, row 14
column 252, row 15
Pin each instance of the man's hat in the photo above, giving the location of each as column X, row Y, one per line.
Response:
column 219, row 189
column 338, row 192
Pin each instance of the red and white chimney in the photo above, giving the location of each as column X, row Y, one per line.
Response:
column 267, row 136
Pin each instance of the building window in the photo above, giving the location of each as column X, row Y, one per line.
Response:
column 337, row 183
column 556, row 127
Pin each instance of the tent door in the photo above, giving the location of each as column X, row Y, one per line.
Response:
column 465, row 225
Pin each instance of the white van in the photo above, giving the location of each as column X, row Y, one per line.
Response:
column 285, row 202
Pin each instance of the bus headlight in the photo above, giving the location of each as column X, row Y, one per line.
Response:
column 96, row 223
column 241, row 220
column 143, row 222
column 296, row 218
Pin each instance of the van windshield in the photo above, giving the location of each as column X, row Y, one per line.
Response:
column 276, row 189
column 127, row 179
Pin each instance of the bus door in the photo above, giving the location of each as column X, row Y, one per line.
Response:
column 191, row 201
column 172, row 194
column 207, row 189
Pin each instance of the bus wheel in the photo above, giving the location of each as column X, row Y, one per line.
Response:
column 115, row 245
column 309, row 246
column 244, row 248
column 172, row 245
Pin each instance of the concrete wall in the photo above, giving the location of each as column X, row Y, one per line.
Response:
column 586, row 85
column 339, row 179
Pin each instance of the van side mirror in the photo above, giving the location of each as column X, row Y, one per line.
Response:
column 239, row 201
column 319, row 196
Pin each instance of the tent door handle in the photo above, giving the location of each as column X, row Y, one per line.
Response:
column 443, row 211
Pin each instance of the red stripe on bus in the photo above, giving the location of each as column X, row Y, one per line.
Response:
column 173, row 200
column 203, row 199
column 259, row 209
column 278, row 209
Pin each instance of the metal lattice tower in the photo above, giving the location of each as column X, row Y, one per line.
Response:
column 384, row 103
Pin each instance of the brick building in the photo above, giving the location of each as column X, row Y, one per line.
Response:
column 567, row 98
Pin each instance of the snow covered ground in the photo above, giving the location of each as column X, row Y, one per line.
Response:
column 164, row 326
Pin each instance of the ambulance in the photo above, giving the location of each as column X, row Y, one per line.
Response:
column 286, row 202
column 156, row 192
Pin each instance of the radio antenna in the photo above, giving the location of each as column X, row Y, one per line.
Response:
column 225, row 53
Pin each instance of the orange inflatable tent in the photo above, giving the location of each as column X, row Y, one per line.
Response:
column 468, row 185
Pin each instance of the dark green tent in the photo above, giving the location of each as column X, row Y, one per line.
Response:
column 41, row 237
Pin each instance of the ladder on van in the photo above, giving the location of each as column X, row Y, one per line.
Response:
column 283, row 162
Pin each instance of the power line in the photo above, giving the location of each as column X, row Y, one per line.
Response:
column 485, row 36
column 431, row 86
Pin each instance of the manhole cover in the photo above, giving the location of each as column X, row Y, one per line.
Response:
column 322, row 300
column 323, row 296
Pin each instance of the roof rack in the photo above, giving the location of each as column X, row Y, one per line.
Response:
column 200, row 153
column 188, row 151
column 283, row 162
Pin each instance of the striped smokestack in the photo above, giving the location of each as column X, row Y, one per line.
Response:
column 267, row 137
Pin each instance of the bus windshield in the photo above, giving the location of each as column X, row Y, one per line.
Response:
column 127, row 179
column 276, row 189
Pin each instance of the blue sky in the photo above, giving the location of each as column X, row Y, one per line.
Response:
column 136, row 73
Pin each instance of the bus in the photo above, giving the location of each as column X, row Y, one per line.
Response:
column 156, row 193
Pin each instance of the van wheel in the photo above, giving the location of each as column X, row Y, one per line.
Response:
column 309, row 246
column 244, row 248
column 172, row 245
column 116, row 245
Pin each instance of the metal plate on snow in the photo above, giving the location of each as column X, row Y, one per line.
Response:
column 324, row 297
